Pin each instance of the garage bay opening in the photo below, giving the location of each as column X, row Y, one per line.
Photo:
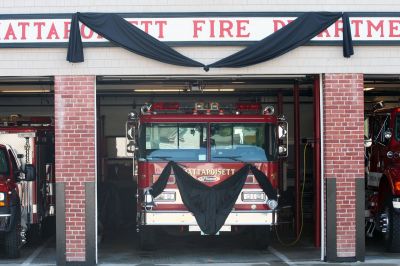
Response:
column 168, row 147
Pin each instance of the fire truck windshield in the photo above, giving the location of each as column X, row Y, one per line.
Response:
column 4, row 167
column 243, row 142
column 200, row 142
column 173, row 141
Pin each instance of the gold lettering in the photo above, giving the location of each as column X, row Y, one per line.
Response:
column 219, row 171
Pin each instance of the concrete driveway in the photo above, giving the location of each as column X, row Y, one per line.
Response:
column 120, row 248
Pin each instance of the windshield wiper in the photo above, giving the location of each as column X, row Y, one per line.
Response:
column 167, row 159
column 233, row 158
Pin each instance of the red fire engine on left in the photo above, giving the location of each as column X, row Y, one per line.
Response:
column 27, row 192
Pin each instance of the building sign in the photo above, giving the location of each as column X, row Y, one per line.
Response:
column 226, row 28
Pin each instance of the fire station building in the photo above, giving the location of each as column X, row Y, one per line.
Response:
column 322, row 71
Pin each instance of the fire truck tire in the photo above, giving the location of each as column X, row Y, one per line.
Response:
column 261, row 237
column 147, row 238
column 392, row 236
column 12, row 242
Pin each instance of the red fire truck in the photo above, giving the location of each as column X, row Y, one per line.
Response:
column 212, row 143
column 382, row 134
column 26, row 180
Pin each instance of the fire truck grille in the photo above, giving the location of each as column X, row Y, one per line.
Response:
column 4, row 222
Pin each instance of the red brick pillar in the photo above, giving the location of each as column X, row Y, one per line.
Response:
column 344, row 165
column 74, row 104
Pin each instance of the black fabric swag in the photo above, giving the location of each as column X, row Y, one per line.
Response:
column 293, row 35
column 122, row 33
column 210, row 205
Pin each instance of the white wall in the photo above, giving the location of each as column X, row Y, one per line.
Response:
column 116, row 61
column 65, row 6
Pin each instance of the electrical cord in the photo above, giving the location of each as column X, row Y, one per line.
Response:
column 301, row 206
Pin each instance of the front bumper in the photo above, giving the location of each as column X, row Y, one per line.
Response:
column 8, row 217
column 187, row 218
column 396, row 204
column 5, row 221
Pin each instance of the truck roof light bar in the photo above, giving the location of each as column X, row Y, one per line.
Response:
column 19, row 120
column 207, row 107
column 161, row 106
column 248, row 106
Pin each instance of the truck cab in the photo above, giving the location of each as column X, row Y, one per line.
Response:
column 27, row 194
column 10, row 207
column 382, row 135
column 211, row 144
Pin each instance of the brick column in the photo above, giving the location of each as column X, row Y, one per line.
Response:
column 344, row 164
column 75, row 137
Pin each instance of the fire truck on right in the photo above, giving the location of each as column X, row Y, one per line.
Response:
column 382, row 160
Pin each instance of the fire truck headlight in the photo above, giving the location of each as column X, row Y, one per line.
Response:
column 2, row 199
column 166, row 196
column 148, row 199
column 253, row 196
column 397, row 186
column 272, row 204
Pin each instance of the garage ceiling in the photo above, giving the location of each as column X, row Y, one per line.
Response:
column 374, row 85
column 255, row 84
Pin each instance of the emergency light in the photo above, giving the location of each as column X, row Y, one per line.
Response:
column 161, row 106
column 201, row 106
column 248, row 107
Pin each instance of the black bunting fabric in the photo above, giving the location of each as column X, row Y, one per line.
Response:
column 75, row 47
column 347, row 39
column 119, row 31
column 122, row 33
column 293, row 35
column 210, row 205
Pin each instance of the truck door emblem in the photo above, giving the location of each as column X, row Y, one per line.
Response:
column 208, row 179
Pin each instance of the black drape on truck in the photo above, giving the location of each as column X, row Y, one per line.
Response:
column 211, row 205
column 122, row 33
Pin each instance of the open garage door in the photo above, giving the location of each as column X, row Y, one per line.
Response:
column 117, row 96
column 27, row 194
column 382, row 186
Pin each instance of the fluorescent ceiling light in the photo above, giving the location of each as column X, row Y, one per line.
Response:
column 196, row 77
column 23, row 91
column 180, row 90
column 369, row 88
column 157, row 90
column 217, row 90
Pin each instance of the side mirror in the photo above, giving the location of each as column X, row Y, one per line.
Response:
column 387, row 134
column 282, row 130
column 283, row 137
column 367, row 143
column 131, row 147
column 130, row 132
column 30, row 173
column 130, row 138
column 282, row 150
